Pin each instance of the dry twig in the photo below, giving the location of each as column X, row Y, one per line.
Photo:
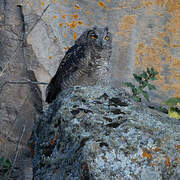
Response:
column 17, row 151
column 21, row 82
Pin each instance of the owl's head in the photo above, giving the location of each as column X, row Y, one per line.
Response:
column 100, row 38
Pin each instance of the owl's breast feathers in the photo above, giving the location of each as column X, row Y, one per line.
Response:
column 71, row 63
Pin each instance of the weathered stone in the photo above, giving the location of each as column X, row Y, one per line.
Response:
column 20, row 102
column 100, row 133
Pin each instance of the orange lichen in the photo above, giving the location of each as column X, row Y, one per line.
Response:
column 60, row 10
column 148, row 4
column 49, row 57
column 75, row 16
column 141, row 48
column 101, row 4
column 177, row 160
column 54, row 171
column 168, row 161
column 147, row 55
column 77, row 6
column 157, row 149
column 28, row 3
column 171, row 6
column 108, row 1
column 176, row 45
column 104, row 158
column 67, row 48
column 147, row 155
column 160, row 52
column 32, row 151
column 153, row 164
column 79, row 23
column 178, row 148
column 60, row 25
column 52, row 141
column 74, row 35
column 128, row 23
column 56, row 39
column 73, row 24
column 88, row 13
column 63, row 16
column 54, row 17
column 54, row 1
column 65, row 35
column 150, row 149
column 160, row 3
column 57, row 135
column 42, row 3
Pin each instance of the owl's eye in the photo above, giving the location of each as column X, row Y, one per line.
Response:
column 106, row 38
column 94, row 36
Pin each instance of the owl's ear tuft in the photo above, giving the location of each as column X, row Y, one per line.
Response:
column 92, row 34
column 106, row 29
column 95, row 27
column 83, row 38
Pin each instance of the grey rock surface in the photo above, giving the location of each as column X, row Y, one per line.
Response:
column 20, row 102
column 95, row 133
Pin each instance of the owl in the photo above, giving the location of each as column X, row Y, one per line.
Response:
column 86, row 63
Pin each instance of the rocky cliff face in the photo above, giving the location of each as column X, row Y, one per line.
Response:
column 145, row 33
column 100, row 133
column 20, row 103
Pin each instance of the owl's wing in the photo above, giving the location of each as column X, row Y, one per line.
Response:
column 69, row 64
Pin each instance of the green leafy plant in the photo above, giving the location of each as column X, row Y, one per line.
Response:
column 174, row 107
column 5, row 165
column 143, row 81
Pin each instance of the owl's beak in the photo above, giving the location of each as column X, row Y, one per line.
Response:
column 106, row 28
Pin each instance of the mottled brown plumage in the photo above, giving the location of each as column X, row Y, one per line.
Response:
column 86, row 63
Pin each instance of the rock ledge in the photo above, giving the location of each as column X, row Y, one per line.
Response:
column 94, row 133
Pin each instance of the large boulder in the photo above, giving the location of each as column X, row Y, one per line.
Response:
column 99, row 133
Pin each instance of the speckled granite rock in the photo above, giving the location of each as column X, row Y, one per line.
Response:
column 99, row 133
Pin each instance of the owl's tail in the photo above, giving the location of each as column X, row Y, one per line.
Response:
column 51, row 91
column 49, row 94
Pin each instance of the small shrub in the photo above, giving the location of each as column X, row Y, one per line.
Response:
column 143, row 81
column 5, row 165
column 174, row 107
